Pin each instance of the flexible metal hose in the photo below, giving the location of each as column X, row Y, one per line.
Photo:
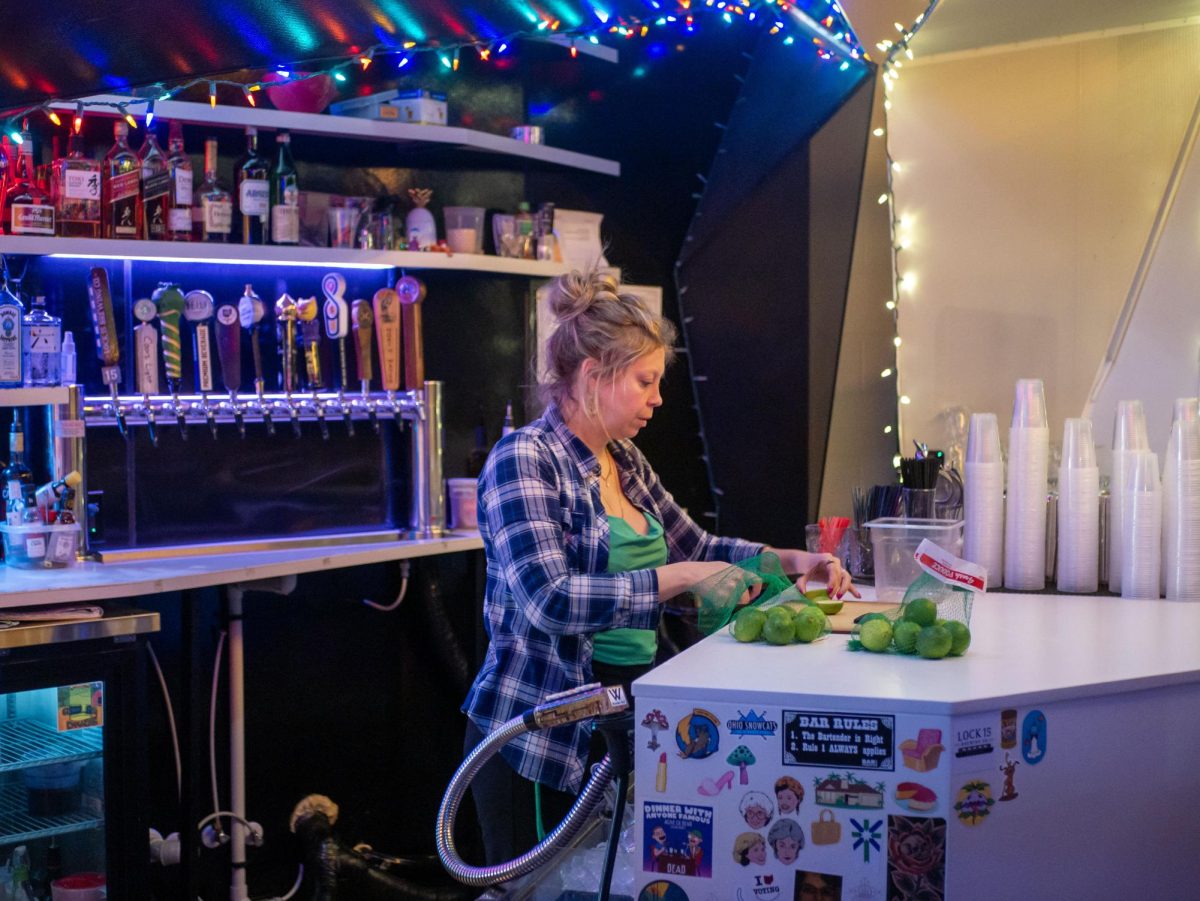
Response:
column 539, row 854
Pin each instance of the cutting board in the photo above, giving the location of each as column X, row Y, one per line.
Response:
column 843, row 620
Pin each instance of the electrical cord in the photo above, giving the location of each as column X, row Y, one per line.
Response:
column 162, row 681
column 295, row 886
column 388, row 608
column 212, row 736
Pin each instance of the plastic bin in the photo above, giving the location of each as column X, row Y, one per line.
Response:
column 54, row 790
column 894, row 542
column 40, row 546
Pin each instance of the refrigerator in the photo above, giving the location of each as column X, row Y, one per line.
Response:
column 73, row 758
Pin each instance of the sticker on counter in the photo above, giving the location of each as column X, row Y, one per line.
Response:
column 750, row 848
column 924, row 752
column 752, row 724
column 742, row 757
column 974, row 737
column 863, row 890
column 766, row 886
column 1008, row 728
column 710, row 787
column 916, row 858
column 660, row 774
column 1009, row 768
column 1033, row 737
column 788, row 795
column 697, row 735
column 915, row 796
column 844, row 740
column 786, row 839
column 756, row 809
column 80, row 706
column 678, row 838
column 662, row 891
column 844, row 790
column 656, row 721
column 974, row 802
column 866, row 835
column 826, row 830
column 813, row 886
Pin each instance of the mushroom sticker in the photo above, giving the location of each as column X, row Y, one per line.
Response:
column 741, row 757
column 656, row 722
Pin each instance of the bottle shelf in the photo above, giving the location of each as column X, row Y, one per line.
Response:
column 352, row 128
column 253, row 254
column 27, row 743
column 16, row 825
column 32, row 397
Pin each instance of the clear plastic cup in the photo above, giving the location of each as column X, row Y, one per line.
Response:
column 1186, row 409
column 464, row 228
column 1029, row 405
column 1129, row 428
column 983, row 439
column 1078, row 448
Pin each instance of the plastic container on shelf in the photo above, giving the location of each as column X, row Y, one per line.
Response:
column 54, row 790
column 894, row 541
column 40, row 546
column 464, row 228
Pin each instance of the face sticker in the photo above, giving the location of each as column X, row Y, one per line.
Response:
column 697, row 735
column 915, row 796
column 677, row 839
column 826, row 830
column 812, row 886
column 847, row 790
column 1008, row 769
column 662, row 891
column 1033, row 737
column 924, row 752
column 756, row 809
column 974, row 802
column 788, row 794
column 786, row 839
column 750, row 849
column 916, row 858
column 866, row 835
column 656, row 722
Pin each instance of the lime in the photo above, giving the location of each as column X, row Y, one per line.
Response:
column 905, row 636
column 817, row 594
column 810, row 623
column 867, row 617
column 933, row 642
column 876, row 635
column 748, row 624
column 779, row 629
column 921, row 611
column 829, row 606
column 960, row 638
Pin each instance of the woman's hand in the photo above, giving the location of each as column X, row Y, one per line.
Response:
column 828, row 568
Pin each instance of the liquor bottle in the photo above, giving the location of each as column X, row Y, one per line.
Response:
column 12, row 311
column 27, row 208
column 42, row 346
column 179, row 164
column 526, row 240
column 122, row 185
column 75, row 189
column 5, row 172
column 285, row 195
column 254, row 191
column 212, row 210
column 20, row 494
column 156, row 189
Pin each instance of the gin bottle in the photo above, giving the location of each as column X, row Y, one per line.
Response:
column 12, row 373
column 42, row 335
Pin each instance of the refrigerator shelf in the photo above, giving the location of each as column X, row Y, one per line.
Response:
column 26, row 743
column 18, row 826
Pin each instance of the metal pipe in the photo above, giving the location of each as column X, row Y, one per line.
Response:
column 238, row 890
column 69, row 435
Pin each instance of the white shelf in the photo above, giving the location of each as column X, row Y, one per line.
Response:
column 32, row 397
column 344, row 127
column 249, row 254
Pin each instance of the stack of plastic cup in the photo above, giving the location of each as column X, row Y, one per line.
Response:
column 1078, row 510
column 1028, row 468
column 1181, row 511
column 983, row 497
column 1141, row 527
column 1129, row 437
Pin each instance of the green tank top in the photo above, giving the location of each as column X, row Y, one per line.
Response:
column 627, row 550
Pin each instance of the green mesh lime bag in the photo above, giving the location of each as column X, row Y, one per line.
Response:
column 933, row 621
column 749, row 592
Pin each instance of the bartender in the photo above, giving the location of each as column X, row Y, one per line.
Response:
column 583, row 546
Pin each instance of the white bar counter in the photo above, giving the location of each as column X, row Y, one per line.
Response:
column 89, row 581
column 1056, row 759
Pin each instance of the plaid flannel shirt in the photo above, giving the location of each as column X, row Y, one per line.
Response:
column 545, row 535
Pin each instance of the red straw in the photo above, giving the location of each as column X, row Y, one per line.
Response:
column 832, row 529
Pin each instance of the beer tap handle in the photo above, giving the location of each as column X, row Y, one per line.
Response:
column 310, row 334
column 412, row 292
column 170, row 302
column 336, row 315
column 286, row 315
column 386, row 305
column 145, row 343
column 107, row 347
column 229, row 353
column 198, row 310
column 251, row 311
column 363, row 323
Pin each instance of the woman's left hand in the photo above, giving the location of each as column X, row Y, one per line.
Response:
column 829, row 569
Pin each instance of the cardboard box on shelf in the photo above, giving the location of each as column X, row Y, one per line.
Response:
column 420, row 107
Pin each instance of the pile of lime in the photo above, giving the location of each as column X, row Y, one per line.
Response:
column 918, row 632
column 793, row 623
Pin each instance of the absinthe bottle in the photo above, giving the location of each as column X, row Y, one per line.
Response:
column 254, row 191
column 11, row 364
column 285, row 195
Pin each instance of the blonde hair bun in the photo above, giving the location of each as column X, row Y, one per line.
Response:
column 574, row 292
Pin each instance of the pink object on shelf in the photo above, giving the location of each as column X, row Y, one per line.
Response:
column 299, row 94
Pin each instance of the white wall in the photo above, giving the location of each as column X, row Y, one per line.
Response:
column 1031, row 176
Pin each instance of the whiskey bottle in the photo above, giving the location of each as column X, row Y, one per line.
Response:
column 254, row 191
column 212, row 209
column 12, row 311
column 41, row 335
column 75, row 189
column 179, row 164
column 122, row 185
column 156, row 189
column 285, row 195
column 27, row 208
